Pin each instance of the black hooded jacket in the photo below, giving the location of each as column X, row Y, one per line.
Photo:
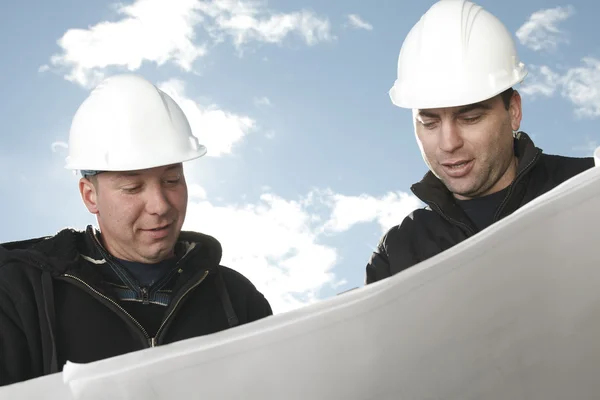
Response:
column 443, row 223
column 58, row 302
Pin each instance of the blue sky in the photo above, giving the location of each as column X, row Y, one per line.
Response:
column 309, row 162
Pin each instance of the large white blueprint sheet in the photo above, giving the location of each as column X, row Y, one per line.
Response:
column 512, row 313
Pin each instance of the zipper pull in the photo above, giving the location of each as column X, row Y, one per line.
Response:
column 152, row 342
column 145, row 297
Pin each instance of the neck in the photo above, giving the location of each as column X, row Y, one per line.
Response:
column 118, row 252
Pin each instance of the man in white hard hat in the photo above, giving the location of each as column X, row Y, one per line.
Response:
column 136, row 282
column 456, row 71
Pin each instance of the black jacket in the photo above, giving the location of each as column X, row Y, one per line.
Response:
column 443, row 224
column 57, row 305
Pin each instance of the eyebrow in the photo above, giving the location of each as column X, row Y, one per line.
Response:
column 462, row 110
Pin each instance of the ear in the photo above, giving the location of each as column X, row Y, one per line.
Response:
column 89, row 195
column 515, row 111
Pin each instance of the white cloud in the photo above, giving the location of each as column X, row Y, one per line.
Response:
column 580, row 85
column 217, row 129
column 273, row 244
column 161, row 31
column 540, row 32
column 245, row 21
column 152, row 30
column 387, row 211
column 357, row 22
column 276, row 243
column 196, row 192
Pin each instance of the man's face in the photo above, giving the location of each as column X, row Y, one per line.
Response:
column 140, row 213
column 470, row 148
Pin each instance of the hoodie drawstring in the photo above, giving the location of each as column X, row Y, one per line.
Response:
column 232, row 318
column 48, row 293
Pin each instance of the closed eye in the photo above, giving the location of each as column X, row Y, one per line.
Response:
column 173, row 181
column 471, row 119
column 429, row 125
column 131, row 189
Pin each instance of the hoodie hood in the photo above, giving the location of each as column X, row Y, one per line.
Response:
column 54, row 254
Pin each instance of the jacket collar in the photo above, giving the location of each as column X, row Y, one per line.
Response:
column 63, row 251
column 434, row 193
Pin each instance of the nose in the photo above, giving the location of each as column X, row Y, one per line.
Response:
column 450, row 139
column 157, row 202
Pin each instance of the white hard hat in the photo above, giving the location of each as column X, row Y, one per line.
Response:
column 126, row 123
column 457, row 54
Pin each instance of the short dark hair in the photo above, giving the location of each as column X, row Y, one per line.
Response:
column 506, row 96
column 88, row 172
column 92, row 176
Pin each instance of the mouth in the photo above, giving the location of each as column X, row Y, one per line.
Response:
column 456, row 165
column 458, row 169
column 160, row 228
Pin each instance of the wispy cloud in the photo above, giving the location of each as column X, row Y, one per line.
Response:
column 580, row 85
column 541, row 80
column 245, row 21
column 356, row 21
column 262, row 102
column 586, row 149
column 219, row 130
column 56, row 145
column 270, row 134
column 541, row 32
column 160, row 32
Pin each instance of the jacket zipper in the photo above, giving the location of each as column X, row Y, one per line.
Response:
column 144, row 332
column 145, row 291
column 150, row 341
column 517, row 179
column 154, row 340
column 145, row 297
